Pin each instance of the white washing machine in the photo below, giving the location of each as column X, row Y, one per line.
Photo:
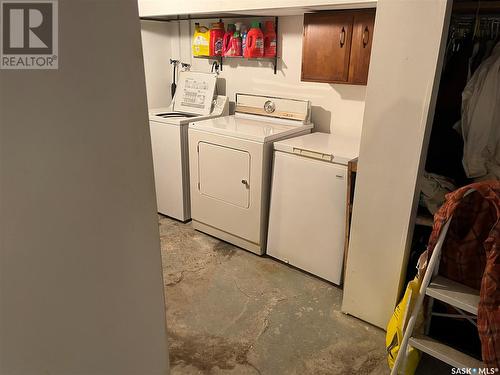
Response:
column 230, row 166
column 308, row 202
column 193, row 101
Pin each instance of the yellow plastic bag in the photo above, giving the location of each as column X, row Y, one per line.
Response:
column 395, row 330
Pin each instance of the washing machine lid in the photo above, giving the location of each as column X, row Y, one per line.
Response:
column 328, row 147
column 249, row 128
column 195, row 93
column 167, row 116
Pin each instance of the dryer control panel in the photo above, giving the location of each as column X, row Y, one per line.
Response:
column 269, row 106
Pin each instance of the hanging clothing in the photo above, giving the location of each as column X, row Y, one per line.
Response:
column 446, row 146
column 481, row 119
column 473, row 59
column 434, row 189
column 471, row 255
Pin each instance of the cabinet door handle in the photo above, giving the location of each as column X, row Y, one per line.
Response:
column 366, row 36
column 342, row 37
column 244, row 182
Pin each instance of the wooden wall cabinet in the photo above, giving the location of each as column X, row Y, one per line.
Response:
column 337, row 45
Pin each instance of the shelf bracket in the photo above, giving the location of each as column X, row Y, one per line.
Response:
column 276, row 55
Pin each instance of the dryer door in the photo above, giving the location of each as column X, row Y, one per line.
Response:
column 224, row 174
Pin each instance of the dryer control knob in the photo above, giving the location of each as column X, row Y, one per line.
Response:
column 269, row 106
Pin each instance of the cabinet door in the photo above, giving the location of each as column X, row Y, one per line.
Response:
column 362, row 36
column 326, row 46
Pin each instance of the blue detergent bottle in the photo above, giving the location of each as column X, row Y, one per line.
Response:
column 244, row 31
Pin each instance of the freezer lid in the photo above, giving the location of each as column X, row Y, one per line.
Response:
column 195, row 93
column 328, row 147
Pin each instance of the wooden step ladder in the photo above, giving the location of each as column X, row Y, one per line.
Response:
column 464, row 299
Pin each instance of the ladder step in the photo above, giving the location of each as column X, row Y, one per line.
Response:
column 454, row 294
column 444, row 352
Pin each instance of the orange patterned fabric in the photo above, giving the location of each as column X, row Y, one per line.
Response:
column 470, row 255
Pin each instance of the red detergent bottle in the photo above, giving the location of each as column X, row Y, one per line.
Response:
column 255, row 42
column 269, row 40
column 216, row 39
column 227, row 41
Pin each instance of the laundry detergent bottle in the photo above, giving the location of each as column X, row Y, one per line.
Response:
column 201, row 40
column 244, row 33
column 228, row 36
column 269, row 39
column 255, row 42
column 236, row 42
column 216, row 39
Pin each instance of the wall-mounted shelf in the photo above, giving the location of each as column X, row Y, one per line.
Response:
column 274, row 59
column 220, row 59
column 251, row 58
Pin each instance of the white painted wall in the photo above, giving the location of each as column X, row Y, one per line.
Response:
column 157, row 50
column 404, row 75
column 81, row 287
column 336, row 108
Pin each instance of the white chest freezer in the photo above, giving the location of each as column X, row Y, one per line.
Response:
column 308, row 202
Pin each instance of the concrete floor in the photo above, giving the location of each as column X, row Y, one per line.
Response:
column 232, row 312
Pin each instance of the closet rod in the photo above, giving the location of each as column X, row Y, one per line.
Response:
column 471, row 7
column 194, row 17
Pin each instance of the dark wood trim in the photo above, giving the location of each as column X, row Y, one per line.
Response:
column 472, row 7
column 352, row 169
column 332, row 82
